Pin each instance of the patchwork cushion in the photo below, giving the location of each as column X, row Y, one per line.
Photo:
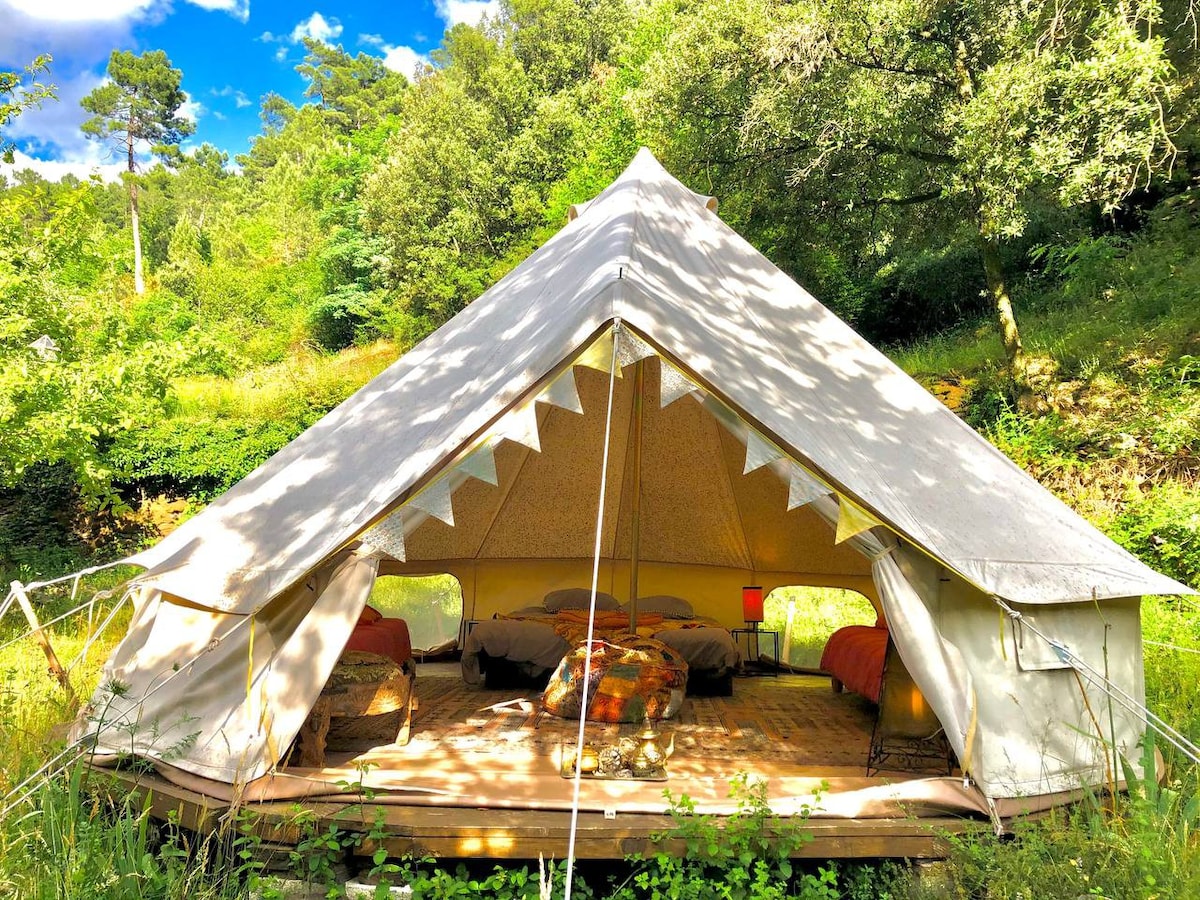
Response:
column 633, row 678
column 579, row 598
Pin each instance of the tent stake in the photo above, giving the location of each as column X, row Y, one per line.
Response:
column 56, row 668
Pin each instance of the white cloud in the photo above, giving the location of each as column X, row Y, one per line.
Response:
column 371, row 40
column 240, row 100
column 191, row 109
column 281, row 54
column 469, row 12
column 219, row 116
column 316, row 27
column 239, row 9
column 404, row 60
column 54, row 170
column 268, row 37
column 65, row 11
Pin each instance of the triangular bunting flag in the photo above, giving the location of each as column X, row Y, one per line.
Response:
column 759, row 452
column 803, row 488
column 387, row 536
column 599, row 355
column 632, row 348
column 852, row 521
column 435, row 500
column 563, row 393
column 672, row 385
column 481, row 464
column 521, row 426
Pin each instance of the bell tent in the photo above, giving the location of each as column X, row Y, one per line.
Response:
column 743, row 435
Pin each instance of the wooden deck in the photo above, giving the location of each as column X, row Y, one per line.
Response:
column 456, row 833
column 504, row 799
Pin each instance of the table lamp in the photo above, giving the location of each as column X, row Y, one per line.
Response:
column 752, row 604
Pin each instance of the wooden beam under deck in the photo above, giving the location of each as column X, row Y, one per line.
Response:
column 453, row 832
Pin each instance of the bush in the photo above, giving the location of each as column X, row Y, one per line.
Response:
column 342, row 318
column 35, row 522
column 198, row 460
column 1162, row 527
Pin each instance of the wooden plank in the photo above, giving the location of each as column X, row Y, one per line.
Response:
column 38, row 635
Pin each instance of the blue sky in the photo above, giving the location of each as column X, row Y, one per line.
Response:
column 231, row 52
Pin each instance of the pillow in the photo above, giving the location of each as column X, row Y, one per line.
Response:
column 579, row 598
column 667, row 606
column 369, row 616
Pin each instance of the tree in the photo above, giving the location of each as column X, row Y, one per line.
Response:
column 354, row 91
column 977, row 108
column 16, row 97
column 139, row 105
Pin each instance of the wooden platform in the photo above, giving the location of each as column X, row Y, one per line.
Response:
column 478, row 778
column 523, row 834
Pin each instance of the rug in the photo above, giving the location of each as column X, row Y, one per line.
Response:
column 790, row 720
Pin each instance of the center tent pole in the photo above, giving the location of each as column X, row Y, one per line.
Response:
column 635, row 437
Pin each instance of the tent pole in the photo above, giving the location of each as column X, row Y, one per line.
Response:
column 635, row 428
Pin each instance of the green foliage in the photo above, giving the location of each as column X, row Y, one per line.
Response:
column 744, row 856
column 1162, row 527
column 1146, row 849
column 16, row 96
column 199, row 460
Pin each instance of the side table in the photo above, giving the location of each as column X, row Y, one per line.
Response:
column 754, row 638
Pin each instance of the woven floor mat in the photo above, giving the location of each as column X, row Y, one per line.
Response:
column 791, row 720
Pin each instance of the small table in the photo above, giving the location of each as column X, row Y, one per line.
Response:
column 753, row 638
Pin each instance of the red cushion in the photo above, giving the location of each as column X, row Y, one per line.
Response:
column 369, row 615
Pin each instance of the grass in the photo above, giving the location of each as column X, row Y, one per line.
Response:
column 307, row 380
column 815, row 614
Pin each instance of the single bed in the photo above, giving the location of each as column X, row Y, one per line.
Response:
column 854, row 658
column 524, row 646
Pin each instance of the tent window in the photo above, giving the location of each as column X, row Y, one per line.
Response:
column 432, row 605
column 814, row 614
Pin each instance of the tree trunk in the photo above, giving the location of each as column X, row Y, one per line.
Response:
column 993, row 270
column 139, row 282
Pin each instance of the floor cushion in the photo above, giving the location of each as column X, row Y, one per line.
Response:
column 633, row 679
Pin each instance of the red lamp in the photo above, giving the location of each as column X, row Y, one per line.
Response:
column 752, row 603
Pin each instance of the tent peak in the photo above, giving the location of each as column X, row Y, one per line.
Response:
column 644, row 168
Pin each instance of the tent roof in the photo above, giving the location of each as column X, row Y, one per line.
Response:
column 652, row 254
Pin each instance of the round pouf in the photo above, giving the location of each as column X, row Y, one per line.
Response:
column 633, row 678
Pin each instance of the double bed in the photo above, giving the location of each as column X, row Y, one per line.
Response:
column 525, row 645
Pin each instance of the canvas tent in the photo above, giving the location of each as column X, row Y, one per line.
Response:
column 776, row 447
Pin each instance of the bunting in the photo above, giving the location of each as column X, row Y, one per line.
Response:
column 387, row 536
column 759, row 452
column 435, row 500
column 632, row 348
column 481, row 464
column 852, row 521
column 563, row 393
column 804, row 488
column 599, row 355
column 521, row 426
column 673, row 385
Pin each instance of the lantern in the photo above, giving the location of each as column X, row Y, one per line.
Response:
column 752, row 603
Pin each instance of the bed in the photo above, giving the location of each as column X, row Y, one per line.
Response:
column 524, row 646
column 373, row 633
column 854, row 658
